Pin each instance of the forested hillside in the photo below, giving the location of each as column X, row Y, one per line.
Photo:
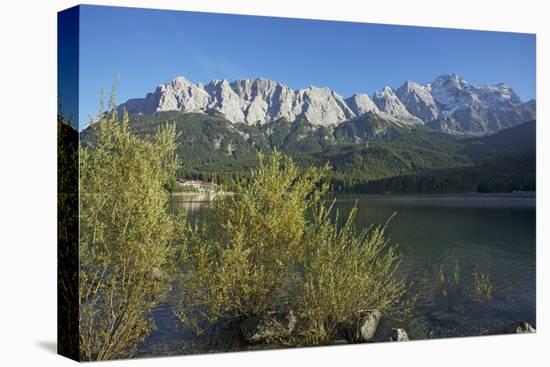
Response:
column 367, row 154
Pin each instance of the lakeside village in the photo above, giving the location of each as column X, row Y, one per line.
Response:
column 196, row 186
column 197, row 189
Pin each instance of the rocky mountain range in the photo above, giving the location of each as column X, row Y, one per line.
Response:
column 448, row 104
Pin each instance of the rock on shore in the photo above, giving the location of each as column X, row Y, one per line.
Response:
column 259, row 329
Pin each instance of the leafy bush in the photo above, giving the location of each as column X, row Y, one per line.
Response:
column 274, row 247
column 249, row 246
column 126, row 235
column 345, row 273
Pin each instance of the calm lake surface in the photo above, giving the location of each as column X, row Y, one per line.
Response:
column 493, row 234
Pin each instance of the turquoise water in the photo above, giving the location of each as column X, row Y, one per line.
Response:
column 492, row 234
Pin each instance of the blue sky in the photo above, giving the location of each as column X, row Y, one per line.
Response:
column 149, row 47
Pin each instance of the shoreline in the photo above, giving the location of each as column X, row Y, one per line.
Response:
column 200, row 196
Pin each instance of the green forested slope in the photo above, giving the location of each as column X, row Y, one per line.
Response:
column 368, row 154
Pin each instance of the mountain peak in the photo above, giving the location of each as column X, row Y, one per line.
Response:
column 181, row 80
column 451, row 80
column 388, row 90
column 418, row 100
column 387, row 101
column 410, row 84
column 450, row 75
column 361, row 104
column 449, row 103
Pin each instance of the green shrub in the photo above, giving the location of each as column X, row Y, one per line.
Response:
column 126, row 235
column 275, row 246
column 248, row 248
column 344, row 274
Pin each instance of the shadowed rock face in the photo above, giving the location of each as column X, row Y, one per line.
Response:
column 388, row 102
column 418, row 100
column 449, row 103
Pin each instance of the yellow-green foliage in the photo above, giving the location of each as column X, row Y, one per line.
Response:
column 274, row 246
column 250, row 244
column 345, row 272
column 125, row 235
column 483, row 288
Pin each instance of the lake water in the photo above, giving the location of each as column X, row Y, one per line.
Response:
column 492, row 234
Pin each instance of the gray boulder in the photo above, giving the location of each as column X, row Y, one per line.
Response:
column 399, row 335
column 260, row 329
column 523, row 328
column 363, row 329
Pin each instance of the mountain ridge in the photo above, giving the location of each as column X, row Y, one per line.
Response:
column 449, row 104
